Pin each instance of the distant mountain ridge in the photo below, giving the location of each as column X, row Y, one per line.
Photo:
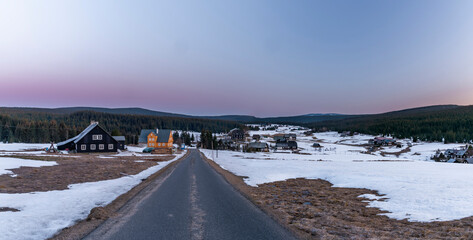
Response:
column 300, row 119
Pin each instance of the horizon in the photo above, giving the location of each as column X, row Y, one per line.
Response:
column 217, row 115
column 265, row 58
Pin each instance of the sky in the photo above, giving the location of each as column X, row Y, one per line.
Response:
column 262, row 58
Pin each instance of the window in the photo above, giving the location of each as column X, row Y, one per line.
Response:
column 97, row 137
column 159, row 144
column 110, row 146
column 101, row 146
column 83, row 147
column 93, row 147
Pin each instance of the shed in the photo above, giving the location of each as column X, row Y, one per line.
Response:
column 121, row 142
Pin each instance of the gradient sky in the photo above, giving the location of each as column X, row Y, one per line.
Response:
column 264, row 58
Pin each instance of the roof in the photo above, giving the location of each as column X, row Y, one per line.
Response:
column 236, row 130
column 163, row 135
column 144, row 135
column 119, row 138
column 81, row 135
column 258, row 145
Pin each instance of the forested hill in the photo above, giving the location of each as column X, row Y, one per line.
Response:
column 41, row 127
column 450, row 122
column 27, row 112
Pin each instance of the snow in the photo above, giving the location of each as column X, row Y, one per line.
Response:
column 42, row 214
column 413, row 186
column 12, row 163
column 22, row 146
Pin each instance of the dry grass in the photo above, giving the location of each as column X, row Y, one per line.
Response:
column 319, row 211
column 70, row 170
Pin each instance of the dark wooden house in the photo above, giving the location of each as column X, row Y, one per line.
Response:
column 237, row 134
column 93, row 139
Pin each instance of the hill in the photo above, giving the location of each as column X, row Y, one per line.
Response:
column 31, row 112
column 451, row 123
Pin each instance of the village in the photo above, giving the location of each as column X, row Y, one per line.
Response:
column 263, row 153
column 263, row 138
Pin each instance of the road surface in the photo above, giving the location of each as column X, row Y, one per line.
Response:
column 192, row 202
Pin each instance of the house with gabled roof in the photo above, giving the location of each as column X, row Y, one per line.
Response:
column 161, row 138
column 93, row 139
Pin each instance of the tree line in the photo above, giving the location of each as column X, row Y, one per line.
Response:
column 44, row 127
column 450, row 126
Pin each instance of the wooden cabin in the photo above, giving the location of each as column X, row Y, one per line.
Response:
column 93, row 139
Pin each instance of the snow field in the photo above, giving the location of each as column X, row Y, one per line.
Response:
column 413, row 186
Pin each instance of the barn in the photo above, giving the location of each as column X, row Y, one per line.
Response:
column 93, row 139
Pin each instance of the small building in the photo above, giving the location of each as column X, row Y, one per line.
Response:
column 93, row 139
column 382, row 141
column 316, row 145
column 237, row 134
column 289, row 145
column 257, row 147
column 256, row 137
column 161, row 138
column 290, row 136
column 121, row 142
column 456, row 153
column 227, row 144
column 279, row 138
column 285, row 137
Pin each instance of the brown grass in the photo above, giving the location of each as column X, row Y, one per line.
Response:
column 70, row 170
column 313, row 209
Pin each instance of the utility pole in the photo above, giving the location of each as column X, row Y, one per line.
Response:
column 212, row 149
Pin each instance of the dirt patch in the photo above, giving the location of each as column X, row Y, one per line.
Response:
column 70, row 170
column 313, row 209
column 397, row 154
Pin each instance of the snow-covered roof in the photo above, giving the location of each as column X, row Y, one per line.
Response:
column 81, row 135
column 119, row 138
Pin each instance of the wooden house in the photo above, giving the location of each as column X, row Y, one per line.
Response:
column 237, row 134
column 160, row 139
column 257, row 147
column 93, row 139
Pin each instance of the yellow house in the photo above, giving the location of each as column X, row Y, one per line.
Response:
column 162, row 139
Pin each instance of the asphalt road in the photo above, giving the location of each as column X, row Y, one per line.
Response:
column 192, row 202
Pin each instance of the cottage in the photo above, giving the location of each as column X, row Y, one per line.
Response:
column 237, row 134
column 93, row 139
column 257, row 147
